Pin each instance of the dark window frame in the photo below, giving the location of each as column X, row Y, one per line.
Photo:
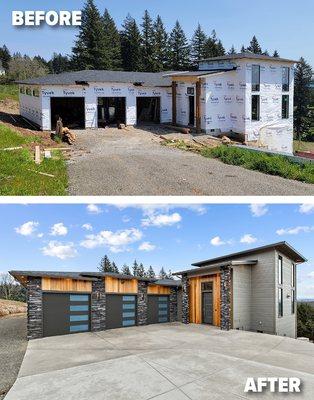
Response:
column 256, row 86
column 285, row 85
column 280, row 302
column 280, row 270
column 293, row 271
column 285, row 106
column 256, row 116
column 293, row 301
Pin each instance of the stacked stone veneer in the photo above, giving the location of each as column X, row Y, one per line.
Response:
column 225, row 298
column 185, row 300
column 34, row 308
column 98, row 306
column 173, row 304
column 142, row 303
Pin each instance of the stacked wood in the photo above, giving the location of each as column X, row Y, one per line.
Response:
column 68, row 136
column 181, row 129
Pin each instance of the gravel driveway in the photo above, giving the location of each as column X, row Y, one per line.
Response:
column 12, row 349
column 132, row 162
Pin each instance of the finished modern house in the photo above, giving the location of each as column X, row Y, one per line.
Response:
column 248, row 95
column 252, row 290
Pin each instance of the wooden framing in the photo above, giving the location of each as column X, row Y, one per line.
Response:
column 66, row 285
column 157, row 289
column 174, row 103
column 115, row 285
column 195, row 296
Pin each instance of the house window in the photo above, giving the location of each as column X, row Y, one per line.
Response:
column 28, row 91
column 280, row 303
column 255, row 107
column 292, row 301
column 285, row 107
column 36, row 93
column 280, row 270
column 22, row 90
column 256, row 78
column 285, row 79
column 293, row 275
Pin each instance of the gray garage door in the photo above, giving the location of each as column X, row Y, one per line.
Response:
column 158, row 309
column 120, row 311
column 65, row 313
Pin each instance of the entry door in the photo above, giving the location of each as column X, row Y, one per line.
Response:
column 65, row 313
column 191, row 110
column 207, row 304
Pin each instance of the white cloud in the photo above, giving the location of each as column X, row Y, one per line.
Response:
column 306, row 208
column 58, row 229
column 216, row 241
column 116, row 241
column 94, row 209
column 294, row 231
column 88, row 227
column 248, row 238
column 147, row 246
column 27, row 229
column 40, row 235
column 311, row 274
column 59, row 250
column 258, row 210
column 160, row 220
column 163, row 208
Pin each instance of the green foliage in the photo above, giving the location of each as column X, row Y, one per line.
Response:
column 5, row 57
column 126, row 270
column 114, row 268
column 9, row 91
column 141, row 271
column 59, row 63
column 198, row 46
column 111, row 43
column 213, row 46
column 232, row 50
column 160, row 46
column 302, row 98
column 179, row 49
column 162, row 274
column 147, row 42
column 10, row 289
column 151, row 273
column 276, row 54
column 105, row 264
column 305, row 320
column 254, row 46
column 135, row 268
column 26, row 67
column 131, row 45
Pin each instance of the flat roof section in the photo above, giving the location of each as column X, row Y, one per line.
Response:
column 249, row 55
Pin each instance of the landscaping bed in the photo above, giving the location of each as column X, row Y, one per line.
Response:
column 267, row 163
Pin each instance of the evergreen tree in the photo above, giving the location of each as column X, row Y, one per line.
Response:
column 265, row 53
column 42, row 61
column 135, row 268
column 114, row 268
column 243, row 49
column 160, row 46
column 254, row 46
column 232, row 50
column 276, row 54
column 147, row 43
column 141, row 271
column 58, row 64
column 302, row 97
column 213, row 46
column 179, row 49
column 111, row 43
column 105, row 264
column 198, row 46
column 126, row 270
column 89, row 50
column 169, row 275
column 131, row 45
column 151, row 273
column 5, row 57
column 220, row 50
column 162, row 274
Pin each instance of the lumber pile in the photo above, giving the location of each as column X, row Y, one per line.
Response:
column 68, row 136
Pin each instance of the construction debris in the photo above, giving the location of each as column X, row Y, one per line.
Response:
column 12, row 148
column 37, row 155
column 68, row 136
column 181, row 129
column 41, row 173
column 47, row 154
column 225, row 140
column 121, row 126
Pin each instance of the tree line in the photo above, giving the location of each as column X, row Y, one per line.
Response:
column 305, row 320
column 138, row 269
column 10, row 289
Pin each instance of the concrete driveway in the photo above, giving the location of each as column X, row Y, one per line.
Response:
column 166, row 361
column 132, row 162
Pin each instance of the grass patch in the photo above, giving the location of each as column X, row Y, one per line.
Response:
column 262, row 162
column 9, row 91
column 303, row 146
column 18, row 172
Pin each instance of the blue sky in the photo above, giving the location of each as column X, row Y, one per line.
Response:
column 285, row 25
column 73, row 237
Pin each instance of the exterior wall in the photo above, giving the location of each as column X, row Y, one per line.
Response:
column 285, row 325
column 98, row 306
column 34, row 308
column 173, row 305
column 93, row 91
column 31, row 108
column 142, row 303
column 185, row 300
column 241, row 297
column 115, row 285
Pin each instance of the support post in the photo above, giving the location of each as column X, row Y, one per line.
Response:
column 225, row 298
column 198, row 106
column 174, row 103
column 185, row 300
column 142, row 303
column 34, row 308
column 98, row 306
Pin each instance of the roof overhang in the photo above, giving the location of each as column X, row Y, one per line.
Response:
column 214, row 267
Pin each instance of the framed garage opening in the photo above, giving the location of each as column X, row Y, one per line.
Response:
column 111, row 110
column 148, row 110
column 121, row 311
column 65, row 313
column 158, row 309
column 70, row 109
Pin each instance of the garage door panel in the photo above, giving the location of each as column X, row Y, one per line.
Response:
column 158, row 309
column 65, row 313
column 120, row 311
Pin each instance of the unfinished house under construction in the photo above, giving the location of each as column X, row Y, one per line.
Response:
column 247, row 94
